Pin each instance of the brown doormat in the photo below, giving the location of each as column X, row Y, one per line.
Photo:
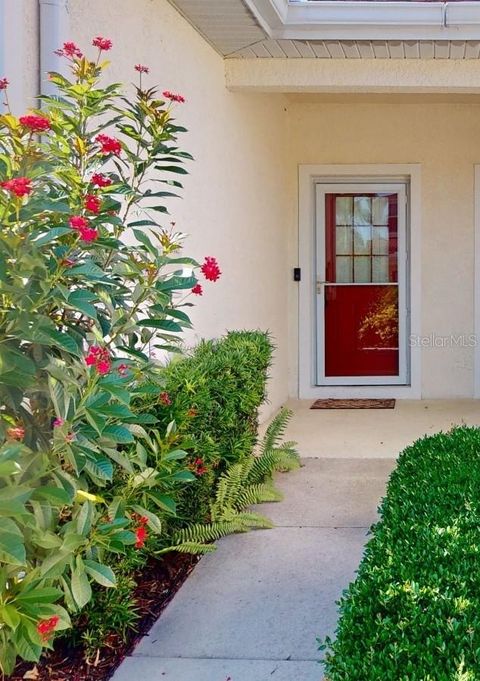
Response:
column 353, row 404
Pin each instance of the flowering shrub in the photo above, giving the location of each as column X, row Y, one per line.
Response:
column 80, row 310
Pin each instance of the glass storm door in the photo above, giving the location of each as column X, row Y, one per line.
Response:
column 361, row 284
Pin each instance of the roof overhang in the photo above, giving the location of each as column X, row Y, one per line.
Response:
column 367, row 20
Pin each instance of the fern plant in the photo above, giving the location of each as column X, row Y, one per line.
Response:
column 243, row 484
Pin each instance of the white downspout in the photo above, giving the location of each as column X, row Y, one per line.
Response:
column 54, row 31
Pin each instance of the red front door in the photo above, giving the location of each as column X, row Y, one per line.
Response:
column 361, row 293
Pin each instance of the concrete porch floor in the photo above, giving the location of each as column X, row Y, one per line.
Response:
column 374, row 433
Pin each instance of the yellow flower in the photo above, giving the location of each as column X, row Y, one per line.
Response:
column 81, row 495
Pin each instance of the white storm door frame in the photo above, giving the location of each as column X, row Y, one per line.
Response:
column 309, row 177
column 321, row 191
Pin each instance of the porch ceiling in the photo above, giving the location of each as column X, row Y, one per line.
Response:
column 351, row 29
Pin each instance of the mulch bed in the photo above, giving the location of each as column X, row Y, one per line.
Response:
column 354, row 404
column 156, row 586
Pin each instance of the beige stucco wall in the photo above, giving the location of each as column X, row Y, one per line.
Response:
column 19, row 51
column 445, row 139
column 241, row 199
column 234, row 206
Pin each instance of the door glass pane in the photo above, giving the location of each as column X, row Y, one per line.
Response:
column 344, row 210
column 361, row 269
column 380, row 268
column 344, row 269
column 380, row 240
column 380, row 210
column 362, row 214
column 362, row 240
column 344, row 240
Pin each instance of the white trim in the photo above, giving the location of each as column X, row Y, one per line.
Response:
column 309, row 176
column 476, row 191
column 54, row 31
column 399, row 188
column 367, row 20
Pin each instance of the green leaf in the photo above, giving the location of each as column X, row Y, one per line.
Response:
column 25, row 648
column 118, row 434
column 82, row 300
column 176, row 283
column 88, row 270
column 154, row 522
column 12, row 548
column 9, row 614
column 172, row 169
column 163, row 501
column 84, row 518
column 102, row 574
column 184, row 476
column 175, row 455
column 164, row 324
column 12, row 499
column 81, row 589
column 119, row 411
column 61, row 340
column 179, row 314
column 57, row 496
column 45, row 594
column 54, row 565
column 52, row 234
column 101, row 467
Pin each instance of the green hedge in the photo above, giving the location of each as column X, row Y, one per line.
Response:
column 413, row 613
column 215, row 393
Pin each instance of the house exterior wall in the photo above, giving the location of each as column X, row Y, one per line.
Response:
column 234, row 201
column 19, row 51
column 445, row 139
column 241, row 198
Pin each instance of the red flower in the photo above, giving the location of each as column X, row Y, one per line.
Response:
column 109, row 145
column 100, row 180
column 99, row 358
column 88, row 234
column 197, row 290
column 141, row 69
column 58, row 423
column 198, row 467
column 122, row 369
column 141, row 533
column 165, row 399
column 102, row 43
column 3, row 83
column 210, row 269
column 20, row 186
column 69, row 50
column 81, row 224
column 103, row 366
column 78, row 222
column 16, row 433
column 35, row 123
column 92, row 203
column 173, row 97
column 46, row 627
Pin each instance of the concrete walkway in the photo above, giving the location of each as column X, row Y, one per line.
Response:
column 252, row 610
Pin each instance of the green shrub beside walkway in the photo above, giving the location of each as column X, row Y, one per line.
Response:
column 413, row 613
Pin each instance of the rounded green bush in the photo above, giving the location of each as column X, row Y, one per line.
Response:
column 413, row 613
